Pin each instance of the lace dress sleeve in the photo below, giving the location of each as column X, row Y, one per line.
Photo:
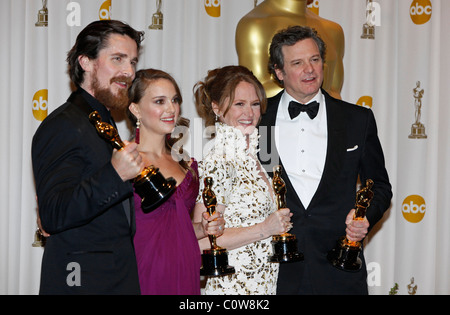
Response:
column 222, row 173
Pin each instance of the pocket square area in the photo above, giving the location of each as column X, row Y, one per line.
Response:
column 352, row 149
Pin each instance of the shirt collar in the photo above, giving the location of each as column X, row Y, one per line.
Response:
column 96, row 105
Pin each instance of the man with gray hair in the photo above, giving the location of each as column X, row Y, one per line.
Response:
column 324, row 145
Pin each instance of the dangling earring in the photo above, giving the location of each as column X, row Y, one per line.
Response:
column 136, row 138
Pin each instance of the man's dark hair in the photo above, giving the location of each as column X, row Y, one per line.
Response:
column 92, row 39
column 289, row 37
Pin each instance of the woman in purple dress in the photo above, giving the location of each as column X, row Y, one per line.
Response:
column 166, row 240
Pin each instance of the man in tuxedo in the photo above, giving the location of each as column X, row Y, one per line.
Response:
column 83, row 186
column 324, row 145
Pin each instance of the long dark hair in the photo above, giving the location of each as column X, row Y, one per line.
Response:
column 92, row 39
column 142, row 80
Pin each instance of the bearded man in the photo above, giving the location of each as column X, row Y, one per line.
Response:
column 83, row 187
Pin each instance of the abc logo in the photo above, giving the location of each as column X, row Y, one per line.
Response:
column 365, row 101
column 104, row 13
column 314, row 6
column 40, row 104
column 212, row 7
column 413, row 208
column 420, row 11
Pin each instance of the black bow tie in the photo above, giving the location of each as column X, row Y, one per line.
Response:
column 295, row 108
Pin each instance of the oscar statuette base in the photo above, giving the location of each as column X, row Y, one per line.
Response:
column 344, row 256
column 285, row 249
column 215, row 263
column 153, row 188
column 417, row 131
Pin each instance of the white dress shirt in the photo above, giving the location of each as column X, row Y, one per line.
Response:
column 302, row 145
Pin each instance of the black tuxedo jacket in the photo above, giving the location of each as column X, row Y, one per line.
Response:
column 320, row 225
column 81, row 202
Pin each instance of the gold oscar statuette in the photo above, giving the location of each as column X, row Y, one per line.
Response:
column 42, row 19
column 150, row 185
column 368, row 29
column 157, row 18
column 214, row 260
column 417, row 128
column 39, row 239
column 284, row 245
column 345, row 255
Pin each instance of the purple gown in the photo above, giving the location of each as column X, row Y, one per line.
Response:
column 167, row 251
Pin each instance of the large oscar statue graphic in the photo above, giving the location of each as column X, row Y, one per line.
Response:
column 255, row 30
column 284, row 245
column 214, row 260
column 345, row 255
column 150, row 185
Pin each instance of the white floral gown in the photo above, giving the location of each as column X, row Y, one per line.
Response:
column 248, row 200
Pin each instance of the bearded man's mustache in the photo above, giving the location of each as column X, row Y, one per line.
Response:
column 123, row 80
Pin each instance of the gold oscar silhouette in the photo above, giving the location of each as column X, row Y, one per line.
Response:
column 285, row 245
column 157, row 18
column 417, row 128
column 39, row 239
column 368, row 29
column 42, row 15
column 150, row 185
column 254, row 34
column 345, row 255
column 214, row 260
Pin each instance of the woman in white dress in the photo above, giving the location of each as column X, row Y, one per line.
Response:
column 232, row 99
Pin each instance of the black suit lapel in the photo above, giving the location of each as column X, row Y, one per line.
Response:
column 266, row 131
column 269, row 117
column 336, row 122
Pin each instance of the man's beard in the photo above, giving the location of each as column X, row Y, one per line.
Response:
column 107, row 98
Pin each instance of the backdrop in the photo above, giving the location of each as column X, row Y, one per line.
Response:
column 401, row 73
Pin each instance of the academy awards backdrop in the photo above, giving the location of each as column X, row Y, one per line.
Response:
column 395, row 62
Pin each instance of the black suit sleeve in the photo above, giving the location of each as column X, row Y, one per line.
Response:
column 75, row 180
column 373, row 167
